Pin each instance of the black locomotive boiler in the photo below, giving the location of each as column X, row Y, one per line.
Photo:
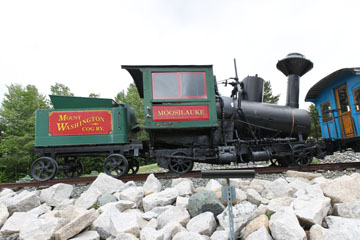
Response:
column 189, row 121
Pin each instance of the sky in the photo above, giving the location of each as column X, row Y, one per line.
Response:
column 83, row 43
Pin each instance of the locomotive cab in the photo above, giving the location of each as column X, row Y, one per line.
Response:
column 179, row 107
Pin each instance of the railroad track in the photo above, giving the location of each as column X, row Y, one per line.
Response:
column 193, row 174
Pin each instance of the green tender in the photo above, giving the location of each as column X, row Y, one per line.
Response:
column 121, row 121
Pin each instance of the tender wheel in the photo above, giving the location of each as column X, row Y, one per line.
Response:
column 43, row 169
column 116, row 165
column 133, row 166
column 302, row 156
column 73, row 168
column 179, row 165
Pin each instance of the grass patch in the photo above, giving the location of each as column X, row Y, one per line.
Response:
column 148, row 168
column 315, row 161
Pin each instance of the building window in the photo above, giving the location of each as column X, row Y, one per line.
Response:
column 357, row 99
column 326, row 112
column 179, row 85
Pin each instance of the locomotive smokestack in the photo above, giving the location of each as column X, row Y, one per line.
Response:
column 294, row 66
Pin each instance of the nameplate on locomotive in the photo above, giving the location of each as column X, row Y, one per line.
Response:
column 67, row 123
column 181, row 113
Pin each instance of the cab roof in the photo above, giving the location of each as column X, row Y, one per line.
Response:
column 136, row 72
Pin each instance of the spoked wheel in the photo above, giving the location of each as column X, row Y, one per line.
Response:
column 302, row 156
column 179, row 164
column 73, row 168
column 116, row 165
column 43, row 169
column 133, row 166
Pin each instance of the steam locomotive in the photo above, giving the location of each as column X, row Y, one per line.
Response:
column 187, row 120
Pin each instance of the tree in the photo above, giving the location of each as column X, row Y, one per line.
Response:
column 61, row 90
column 131, row 97
column 94, row 95
column 17, row 119
column 268, row 96
column 315, row 130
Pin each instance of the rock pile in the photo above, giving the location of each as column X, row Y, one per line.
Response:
column 299, row 206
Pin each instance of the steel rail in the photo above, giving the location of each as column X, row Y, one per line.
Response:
column 193, row 174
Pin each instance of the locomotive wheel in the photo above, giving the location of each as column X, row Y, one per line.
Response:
column 116, row 165
column 133, row 166
column 43, row 169
column 302, row 156
column 180, row 165
column 73, row 168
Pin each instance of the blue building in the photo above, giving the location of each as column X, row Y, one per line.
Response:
column 337, row 99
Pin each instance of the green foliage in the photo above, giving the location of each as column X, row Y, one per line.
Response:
column 268, row 213
column 17, row 121
column 315, row 161
column 131, row 97
column 315, row 130
column 61, row 90
column 94, row 95
column 268, row 96
column 95, row 206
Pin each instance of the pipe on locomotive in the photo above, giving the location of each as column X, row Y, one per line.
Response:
column 294, row 66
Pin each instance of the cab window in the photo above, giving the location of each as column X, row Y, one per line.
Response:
column 326, row 112
column 357, row 99
column 179, row 85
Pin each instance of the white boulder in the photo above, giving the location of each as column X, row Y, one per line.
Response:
column 277, row 204
column 184, row 188
column 242, row 213
column 163, row 198
column 175, row 214
column 171, row 229
column 151, row 185
column 262, row 234
column 284, row 225
column 279, row 188
column 213, row 185
column 56, row 194
column 87, row 235
column 151, row 234
column 102, row 184
column 253, row 196
column 76, row 225
column 306, row 175
column 319, row 233
column 5, row 192
column 121, row 205
column 14, row 223
column 311, row 209
column 22, row 202
column 188, row 236
column 347, row 210
column 4, row 214
column 220, row 235
column 41, row 228
column 204, row 224
column 134, row 194
column 343, row 189
column 182, row 202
